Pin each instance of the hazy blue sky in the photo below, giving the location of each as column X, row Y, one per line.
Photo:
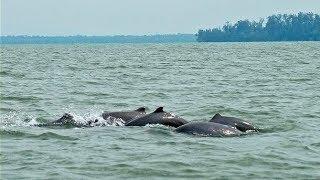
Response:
column 111, row 17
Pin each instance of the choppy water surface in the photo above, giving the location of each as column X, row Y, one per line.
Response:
column 276, row 86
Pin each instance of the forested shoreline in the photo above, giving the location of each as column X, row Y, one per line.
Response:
column 281, row 27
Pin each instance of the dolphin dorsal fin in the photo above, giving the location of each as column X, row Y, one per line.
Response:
column 67, row 116
column 141, row 109
column 158, row 110
column 216, row 116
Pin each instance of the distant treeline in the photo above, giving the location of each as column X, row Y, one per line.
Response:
column 168, row 38
column 281, row 27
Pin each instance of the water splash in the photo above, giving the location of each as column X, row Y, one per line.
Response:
column 90, row 119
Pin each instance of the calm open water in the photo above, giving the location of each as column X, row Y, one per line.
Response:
column 276, row 86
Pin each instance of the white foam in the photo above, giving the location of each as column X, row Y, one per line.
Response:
column 80, row 119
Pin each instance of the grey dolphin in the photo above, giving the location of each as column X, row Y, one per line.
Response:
column 67, row 120
column 233, row 122
column 208, row 129
column 125, row 115
column 158, row 117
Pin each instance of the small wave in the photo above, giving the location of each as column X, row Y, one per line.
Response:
column 43, row 136
column 93, row 82
column 300, row 79
column 6, row 109
column 11, row 74
column 155, row 94
column 10, row 133
column 20, row 98
column 278, row 128
column 316, row 144
column 51, row 135
column 159, row 130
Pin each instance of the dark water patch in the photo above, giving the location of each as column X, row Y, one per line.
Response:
column 270, row 96
column 146, row 172
column 210, row 110
column 77, row 92
column 109, row 67
column 190, row 171
column 51, row 135
column 315, row 144
column 74, row 68
column 13, row 134
column 158, row 130
column 169, row 143
column 114, row 147
column 232, row 111
column 29, row 154
column 315, row 116
column 3, row 109
column 12, row 74
column 281, row 127
column 92, row 101
column 42, row 136
column 119, row 104
column 266, row 113
column 122, row 67
column 300, row 79
column 93, row 83
column 4, row 73
column 21, row 98
column 139, row 66
column 121, row 165
column 131, row 138
column 303, row 62
column 100, row 94
column 57, row 126
column 310, row 149
column 173, row 163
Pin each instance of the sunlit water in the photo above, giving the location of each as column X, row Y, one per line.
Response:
column 275, row 86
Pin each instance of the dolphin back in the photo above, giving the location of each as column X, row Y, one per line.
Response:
column 234, row 122
column 208, row 129
column 158, row 117
column 125, row 115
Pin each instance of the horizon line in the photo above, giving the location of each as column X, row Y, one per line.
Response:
column 84, row 35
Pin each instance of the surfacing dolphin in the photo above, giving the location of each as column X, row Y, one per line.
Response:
column 67, row 120
column 158, row 117
column 125, row 115
column 233, row 122
column 208, row 129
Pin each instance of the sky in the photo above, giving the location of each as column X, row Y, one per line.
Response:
column 136, row 17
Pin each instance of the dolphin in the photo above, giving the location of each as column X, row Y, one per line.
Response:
column 233, row 122
column 158, row 117
column 66, row 120
column 125, row 115
column 208, row 129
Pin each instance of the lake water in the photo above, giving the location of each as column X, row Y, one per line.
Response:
column 276, row 86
